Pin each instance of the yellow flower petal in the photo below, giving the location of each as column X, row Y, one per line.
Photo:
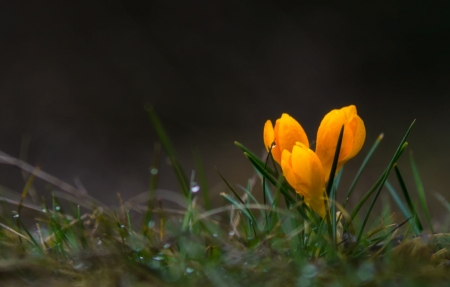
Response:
column 286, row 133
column 290, row 132
column 303, row 171
column 328, row 134
column 269, row 137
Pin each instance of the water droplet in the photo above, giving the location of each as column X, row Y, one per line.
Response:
column 158, row 258
column 167, row 245
column 141, row 258
column 194, row 187
column 214, row 234
column 189, row 270
column 57, row 207
column 151, row 224
column 16, row 216
column 99, row 242
column 231, row 233
column 44, row 210
column 154, row 171
column 274, row 144
column 122, row 226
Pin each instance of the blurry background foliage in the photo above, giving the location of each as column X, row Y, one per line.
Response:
column 74, row 78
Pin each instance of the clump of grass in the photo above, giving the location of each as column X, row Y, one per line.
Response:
column 75, row 240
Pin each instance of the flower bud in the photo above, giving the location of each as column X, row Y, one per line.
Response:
column 304, row 172
column 286, row 133
column 328, row 135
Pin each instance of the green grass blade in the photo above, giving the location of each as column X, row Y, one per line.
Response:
column 182, row 179
column 38, row 247
column 397, row 199
column 400, row 149
column 420, row 191
column 333, row 214
column 250, row 196
column 255, row 158
column 331, row 191
column 284, row 191
column 338, row 178
column 408, row 199
column 362, row 168
column 264, row 172
column 153, row 183
column 240, row 206
column 240, row 199
column 202, row 179
column 363, row 200
column 335, row 162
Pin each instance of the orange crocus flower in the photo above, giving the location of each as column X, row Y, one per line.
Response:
column 304, row 172
column 286, row 133
column 328, row 134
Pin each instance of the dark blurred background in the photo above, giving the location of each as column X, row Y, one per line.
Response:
column 75, row 76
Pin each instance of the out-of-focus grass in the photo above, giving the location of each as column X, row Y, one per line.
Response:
column 77, row 241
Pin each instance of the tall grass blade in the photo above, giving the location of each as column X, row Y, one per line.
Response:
column 362, row 168
column 182, row 179
column 400, row 149
column 255, row 158
column 264, row 172
column 335, row 162
column 154, row 177
column 27, row 187
column 202, row 179
column 408, row 199
column 420, row 191
column 239, row 198
column 242, row 207
column 397, row 200
column 331, row 192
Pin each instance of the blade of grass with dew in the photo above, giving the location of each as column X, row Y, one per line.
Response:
column 202, row 178
column 420, row 191
column 408, row 199
column 190, row 210
column 154, row 177
column 182, row 179
column 400, row 149
column 362, row 168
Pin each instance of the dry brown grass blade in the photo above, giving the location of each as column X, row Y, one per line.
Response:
column 7, row 159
